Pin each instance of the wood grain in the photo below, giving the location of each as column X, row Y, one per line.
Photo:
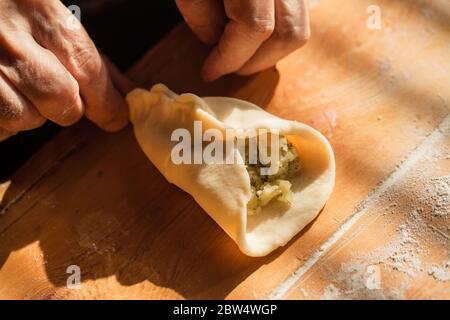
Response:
column 92, row 199
column 398, row 248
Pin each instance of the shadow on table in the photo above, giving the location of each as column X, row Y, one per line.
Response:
column 103, row 207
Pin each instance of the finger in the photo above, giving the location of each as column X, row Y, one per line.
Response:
column 16, row 112
column 44, row 81
column 292, row 31
column 206, row 18
column 120, row 81
column 5, row 134
column 252, row 22
column 73, row 47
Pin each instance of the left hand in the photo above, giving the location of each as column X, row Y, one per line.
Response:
column 249, row 35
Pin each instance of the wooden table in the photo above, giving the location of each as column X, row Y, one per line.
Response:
column 382, row 97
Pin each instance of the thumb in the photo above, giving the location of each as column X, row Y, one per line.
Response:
column 120, row 81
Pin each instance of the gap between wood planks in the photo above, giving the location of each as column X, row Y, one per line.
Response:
column 442, row 131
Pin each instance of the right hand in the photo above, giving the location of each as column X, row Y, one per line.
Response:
column 50, row 69
column 248, row 35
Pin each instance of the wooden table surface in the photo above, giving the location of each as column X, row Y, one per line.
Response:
column 382, row 97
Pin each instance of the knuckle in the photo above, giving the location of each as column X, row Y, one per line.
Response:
column 296, row 35
column 23, row 124
column 263, row 27
column 8, row 111
column 69, row 92
column 10, row 52
column 14, row 118
column 4, row 134
column 67, row 109
column 88, row 66
column 33, row 123
column 293, row 37
column 258, row 23
column 70, row 111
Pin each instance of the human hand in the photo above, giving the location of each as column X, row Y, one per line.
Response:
column 249, row 35
column 50, row 69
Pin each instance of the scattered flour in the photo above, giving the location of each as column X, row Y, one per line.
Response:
column 418, row 245
column 420, row 205
column 440, row 272
column 404, row 254
column 358, row 281
column 361, row 277
column 331, row 293
column 437, row 194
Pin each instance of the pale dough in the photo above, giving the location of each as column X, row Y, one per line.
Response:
column 223, row 191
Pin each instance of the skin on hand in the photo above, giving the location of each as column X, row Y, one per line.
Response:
column 249, row 35
column 50, row 69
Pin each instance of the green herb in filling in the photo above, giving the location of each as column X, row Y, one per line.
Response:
column 266, row 188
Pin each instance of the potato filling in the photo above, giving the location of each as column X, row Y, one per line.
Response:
column 267, row 188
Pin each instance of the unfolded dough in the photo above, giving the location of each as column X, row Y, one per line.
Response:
column 222, row 190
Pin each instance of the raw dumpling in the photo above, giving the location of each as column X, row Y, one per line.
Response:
column 224, row 191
